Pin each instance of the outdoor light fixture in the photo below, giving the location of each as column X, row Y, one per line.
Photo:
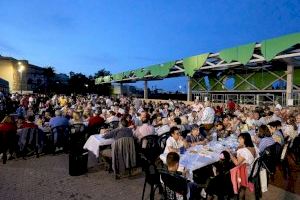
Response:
column 20, row 70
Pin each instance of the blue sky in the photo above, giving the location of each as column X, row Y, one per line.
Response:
column 87, row 35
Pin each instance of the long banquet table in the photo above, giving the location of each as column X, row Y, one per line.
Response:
column 202, row 155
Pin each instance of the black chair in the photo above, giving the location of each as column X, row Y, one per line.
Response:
column 149, row 147
column 174, row 185
column 162, row 140
column 271, row 157
column 60, row 137
column 151, row 177
column 255, row 178
column 202, row 175
column 295, row 149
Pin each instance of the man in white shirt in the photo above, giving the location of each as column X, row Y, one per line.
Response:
column 175, row 141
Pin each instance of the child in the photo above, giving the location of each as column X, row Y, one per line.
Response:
column 173, row 164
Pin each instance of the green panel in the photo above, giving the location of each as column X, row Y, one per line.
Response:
column 107, row 79
column 297, row 76
column 140, row 73
column 192, row 64
column 218, row 86
column 161, row 70
column 241, row 54
column 270, row 48
column 117, row 77
column 126, row 74
column 198, row 84
column 262, row 79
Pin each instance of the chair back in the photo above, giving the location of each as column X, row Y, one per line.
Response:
column 175, row 186
column 162, row 140
column 61, row 130
column 149, row 147
column 123, row 154
column 151, row 172
column 77, row 128
column 60, row 136
column 271, row 156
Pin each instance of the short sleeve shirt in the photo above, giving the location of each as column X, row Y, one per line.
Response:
column 171, row 142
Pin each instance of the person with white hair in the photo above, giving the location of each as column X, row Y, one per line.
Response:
column 58, row 120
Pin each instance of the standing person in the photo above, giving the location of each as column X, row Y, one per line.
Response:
column 246, row 154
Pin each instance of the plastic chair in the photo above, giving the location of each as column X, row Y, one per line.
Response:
column 60, row 137
column 151, row 177
column 149, row 147
column 162, row 140
column 174, row 185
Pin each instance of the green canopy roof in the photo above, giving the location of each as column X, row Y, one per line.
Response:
column 269, row 49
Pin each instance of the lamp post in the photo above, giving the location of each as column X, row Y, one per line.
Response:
column 20, row 70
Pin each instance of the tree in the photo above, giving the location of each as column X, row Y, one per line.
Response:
column 102, row 72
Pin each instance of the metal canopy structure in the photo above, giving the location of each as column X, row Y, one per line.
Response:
column 244, row 62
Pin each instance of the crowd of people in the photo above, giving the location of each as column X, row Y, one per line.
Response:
column 256, row 128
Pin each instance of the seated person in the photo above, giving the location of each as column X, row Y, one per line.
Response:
column 144, row 130
column 120, row 132
column 194, row 138
column 173, row 164
column 175, row 142
column 58, row 120
column 29, row 123
column 266, row 138
column 277, row 135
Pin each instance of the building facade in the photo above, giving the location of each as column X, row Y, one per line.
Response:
column 30, row 79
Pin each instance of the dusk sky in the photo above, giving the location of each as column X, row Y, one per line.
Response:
column 87, row 35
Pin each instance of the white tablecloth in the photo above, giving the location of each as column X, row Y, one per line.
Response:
column 200, row 156
column 94, row 142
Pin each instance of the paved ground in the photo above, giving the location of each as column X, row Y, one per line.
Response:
column 47, row 178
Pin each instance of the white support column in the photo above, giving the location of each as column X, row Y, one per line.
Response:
column 289, row 82
column 145, row 89
column 189, row 89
